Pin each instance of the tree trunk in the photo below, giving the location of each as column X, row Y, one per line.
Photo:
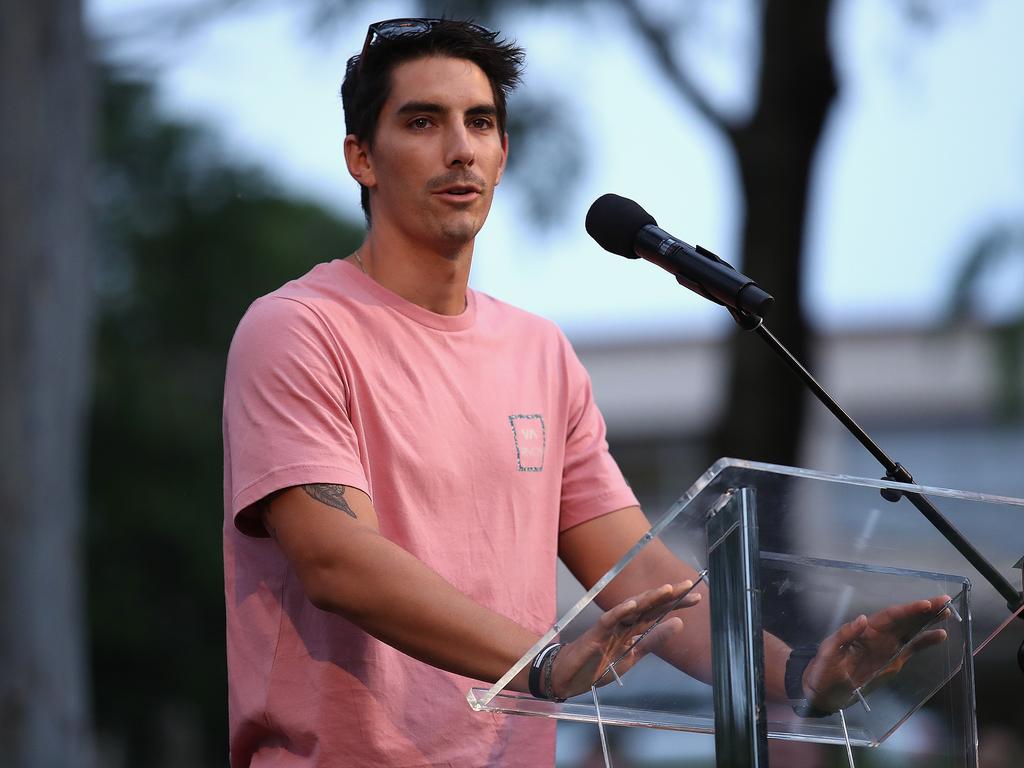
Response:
column 775, row 152
column 45, row 310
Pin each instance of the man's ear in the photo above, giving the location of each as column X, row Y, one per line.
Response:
column 504, row 159
column 359, row 162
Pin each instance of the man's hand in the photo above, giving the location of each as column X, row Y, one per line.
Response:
column 613, row 639
column 869, row 650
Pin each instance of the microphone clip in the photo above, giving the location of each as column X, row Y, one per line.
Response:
column 745, row 320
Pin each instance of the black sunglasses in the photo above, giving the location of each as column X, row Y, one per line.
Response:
column 395, row 28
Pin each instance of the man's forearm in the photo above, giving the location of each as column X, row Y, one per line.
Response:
column 402, row 602
column 329, row 535
column 399, row 600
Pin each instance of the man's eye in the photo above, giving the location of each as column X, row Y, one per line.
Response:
column 420, row 122
column 482, row 123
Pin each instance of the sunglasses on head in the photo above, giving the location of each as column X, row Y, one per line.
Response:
column 392, row 29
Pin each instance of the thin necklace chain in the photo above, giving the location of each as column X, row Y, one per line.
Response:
column 362, row 268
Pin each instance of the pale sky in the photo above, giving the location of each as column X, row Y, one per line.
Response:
column 924, row 148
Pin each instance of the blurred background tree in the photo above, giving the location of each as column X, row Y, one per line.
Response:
column 45, row 331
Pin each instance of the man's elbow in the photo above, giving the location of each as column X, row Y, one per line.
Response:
column 329, row 588
column 322, row 598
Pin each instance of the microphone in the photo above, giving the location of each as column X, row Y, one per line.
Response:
column 621, row 226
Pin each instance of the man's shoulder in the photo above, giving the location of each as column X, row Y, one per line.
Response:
column 301, row 299
column 298, row 309
column 326, row 281
column 509, row 316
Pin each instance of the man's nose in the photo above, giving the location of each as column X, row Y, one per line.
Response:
column 459, row 149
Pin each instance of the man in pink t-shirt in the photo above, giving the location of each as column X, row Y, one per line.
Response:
column 405, row 459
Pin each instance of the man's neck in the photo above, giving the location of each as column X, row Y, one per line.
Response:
column 434, row 279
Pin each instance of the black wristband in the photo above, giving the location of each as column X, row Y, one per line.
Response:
column 799, row 658
column 549, row 664
column 537, row 668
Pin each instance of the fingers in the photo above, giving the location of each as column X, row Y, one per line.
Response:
column 623, row 613
column 896, row 615
column 853, row 629
column 919, row 643
column 656, row 641
column 907, row 612
column 846, row 634
column 660, row 638
column 903, row 624
column 926, row 640
column 898, row 624
column 651, row 605
column 936, row 610
column 940, row 606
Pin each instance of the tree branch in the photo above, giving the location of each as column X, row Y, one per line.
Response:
column 659, row 42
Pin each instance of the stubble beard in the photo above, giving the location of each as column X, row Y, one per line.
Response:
column 457, row 233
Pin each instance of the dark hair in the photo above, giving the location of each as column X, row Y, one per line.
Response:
column 367, row 82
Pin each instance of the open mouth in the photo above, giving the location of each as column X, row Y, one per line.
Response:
column 459, row 191
column 459, row 194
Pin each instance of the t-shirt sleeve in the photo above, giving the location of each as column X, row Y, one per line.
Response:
column 592, row 483
column 286, row 419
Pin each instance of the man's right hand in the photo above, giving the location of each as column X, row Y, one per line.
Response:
column 583, row 663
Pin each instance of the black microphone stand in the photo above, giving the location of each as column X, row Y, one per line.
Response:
column 893, row 470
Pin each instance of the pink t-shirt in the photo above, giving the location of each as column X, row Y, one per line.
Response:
column 477, row 439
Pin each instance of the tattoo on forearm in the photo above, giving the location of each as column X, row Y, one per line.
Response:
column 331, row 495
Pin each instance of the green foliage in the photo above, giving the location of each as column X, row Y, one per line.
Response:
column 189, row 241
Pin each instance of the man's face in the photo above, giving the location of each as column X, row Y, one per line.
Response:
column 437, row 154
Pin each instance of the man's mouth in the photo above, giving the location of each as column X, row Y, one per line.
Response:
column 460, row 192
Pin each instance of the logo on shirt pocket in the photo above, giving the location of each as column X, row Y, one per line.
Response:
column 530, row 438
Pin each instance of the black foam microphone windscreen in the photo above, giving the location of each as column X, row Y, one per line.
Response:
column 613, row 222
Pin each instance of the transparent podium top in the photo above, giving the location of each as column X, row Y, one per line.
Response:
column 832, row 548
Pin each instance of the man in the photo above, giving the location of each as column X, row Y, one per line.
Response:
column 406, row 458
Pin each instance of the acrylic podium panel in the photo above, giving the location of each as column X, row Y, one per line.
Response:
column 830, row 548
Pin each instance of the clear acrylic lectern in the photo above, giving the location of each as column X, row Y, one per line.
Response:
column 791, row 555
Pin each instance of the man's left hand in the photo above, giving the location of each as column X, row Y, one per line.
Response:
column 869, row 650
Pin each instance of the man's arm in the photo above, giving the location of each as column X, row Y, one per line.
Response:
column 330, row 535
